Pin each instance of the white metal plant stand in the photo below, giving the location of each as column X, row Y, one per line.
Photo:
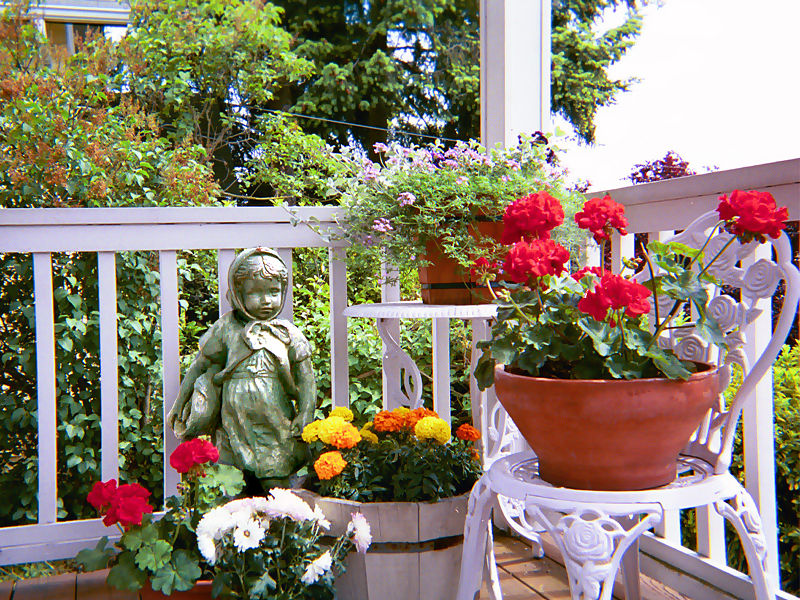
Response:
column 405, row 387
column 596, row 531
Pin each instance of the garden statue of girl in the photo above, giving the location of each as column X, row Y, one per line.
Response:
column 251, row 385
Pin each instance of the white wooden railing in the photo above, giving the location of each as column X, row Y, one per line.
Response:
column 656, row 208
column 659, row 209
column 106, row 231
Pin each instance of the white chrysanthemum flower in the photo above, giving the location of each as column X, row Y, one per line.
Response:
column 207, row 547
column 216, row 523
column 284, row 503
column 362, row 535
column 320, row 518
column 317, row 568
column 248, row 535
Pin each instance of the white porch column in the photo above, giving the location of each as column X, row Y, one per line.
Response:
column 515, row 69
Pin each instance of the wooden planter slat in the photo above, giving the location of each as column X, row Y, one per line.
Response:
column 55, row 587
column 92, row 586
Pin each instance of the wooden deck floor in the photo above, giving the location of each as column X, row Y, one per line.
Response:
column 521, row 578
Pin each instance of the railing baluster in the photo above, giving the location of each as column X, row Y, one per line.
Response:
column 288, row 311
column 109, row 400
column 224, row 262
column 45, row 386
column 170, row 352
column 340, row 387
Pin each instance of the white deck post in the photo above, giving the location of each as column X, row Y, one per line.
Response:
column 515, row 69
column 337, row 267
column 758, row 425
column 171, row 359
column 109, row 394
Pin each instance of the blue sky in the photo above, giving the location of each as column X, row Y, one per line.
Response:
column 719, row 84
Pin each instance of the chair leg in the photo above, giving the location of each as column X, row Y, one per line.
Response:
column 492, row 575
column 742, row 512
column 476, row 538
column 630, row 568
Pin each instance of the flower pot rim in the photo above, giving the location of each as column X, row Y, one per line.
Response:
column 705, row 370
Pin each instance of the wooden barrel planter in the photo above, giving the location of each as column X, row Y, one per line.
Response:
column 415, row 551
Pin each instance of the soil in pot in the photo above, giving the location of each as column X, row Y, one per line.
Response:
column 607, row 434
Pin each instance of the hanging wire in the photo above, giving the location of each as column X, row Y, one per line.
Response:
column 323, row 119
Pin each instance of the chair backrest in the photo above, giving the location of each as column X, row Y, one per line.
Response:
column 746, row 280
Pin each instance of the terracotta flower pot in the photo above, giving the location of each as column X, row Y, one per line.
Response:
column 200, row 591
column 607, row 434
column 445, row 281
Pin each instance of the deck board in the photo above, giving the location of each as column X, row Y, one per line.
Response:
column 522, row 577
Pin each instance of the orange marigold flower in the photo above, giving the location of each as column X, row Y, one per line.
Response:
column 387, row 421
column 414, row 416
column 344, row 437
column 468, row 433
column 329, row 464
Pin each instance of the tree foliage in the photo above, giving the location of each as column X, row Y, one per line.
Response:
column 415, row 65
column 669, row 167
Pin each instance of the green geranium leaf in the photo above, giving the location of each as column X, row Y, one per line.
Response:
column 484, row 371
column 153, row 555
column 669, row 364
column 709, row 329
column 124, row 575
column 136, row 538
column 93, row 559
column 227, row 478
column 180, row 573
column 604, row 337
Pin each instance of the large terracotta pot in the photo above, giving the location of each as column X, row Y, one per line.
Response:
column 415, row 552
column 607, row 434
column 200, row 591
column 444, row 281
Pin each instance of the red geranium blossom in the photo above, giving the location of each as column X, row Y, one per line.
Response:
column 102, row 494
column 535, row 259
column 615, row 292
column 600, row 216
column 531, row 217
column 578, row 275
column 128, row 506
column 752, row 215
column 125, row 504
column 193, row 452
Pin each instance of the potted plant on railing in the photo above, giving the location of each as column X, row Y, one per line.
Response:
column 439, row 210
column 410, row 477
column 575, row 360
column 272, row 547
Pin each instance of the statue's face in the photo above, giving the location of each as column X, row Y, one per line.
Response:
column 262, row 297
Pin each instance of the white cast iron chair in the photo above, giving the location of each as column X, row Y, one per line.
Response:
column 594, row 529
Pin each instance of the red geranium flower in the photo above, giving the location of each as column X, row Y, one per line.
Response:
column 578, row 275
column 102, row 494
column 615, row 292
column 535, row 259
column 193, row 452
column 752, row 215
column 600, row 216
column 128, row 506
column 531, row 218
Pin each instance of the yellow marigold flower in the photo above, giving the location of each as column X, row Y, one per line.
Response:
column 342, row 411
column 311, row 432
column 433, row 428
column 329, row 464
column 401, row 411
column 368, row 436
column 413, row 417
column 328, row 426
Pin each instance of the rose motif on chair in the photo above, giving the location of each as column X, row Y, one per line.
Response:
column 761, row 279
column 692, row 347
column 725, row 311
column 588, row 541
